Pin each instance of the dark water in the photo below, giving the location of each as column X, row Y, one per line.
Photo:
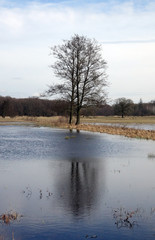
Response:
column 76, row 185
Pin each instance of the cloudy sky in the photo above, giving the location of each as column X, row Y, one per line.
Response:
column 126, row 30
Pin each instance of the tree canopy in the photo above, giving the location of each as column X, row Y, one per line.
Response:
column 123, row 107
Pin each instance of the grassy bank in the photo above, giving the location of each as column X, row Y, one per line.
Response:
column 97, row 119
column 61, row 122
column 118, row 119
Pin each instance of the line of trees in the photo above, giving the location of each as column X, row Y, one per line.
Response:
column 32, row 107
column 125, row 107
column 42, row 107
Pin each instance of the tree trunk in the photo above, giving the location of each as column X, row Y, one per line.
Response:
column 77, row 116
column 71, row 113
column 71, row 106
column 70, row 116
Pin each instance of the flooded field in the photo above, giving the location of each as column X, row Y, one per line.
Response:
column 129, row 125
column 56, row 184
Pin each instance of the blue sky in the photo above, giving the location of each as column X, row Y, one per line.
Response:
column 136, row 3
column 126, row 30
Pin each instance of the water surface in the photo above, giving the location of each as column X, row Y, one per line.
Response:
column 69, row 185
column 129, row 125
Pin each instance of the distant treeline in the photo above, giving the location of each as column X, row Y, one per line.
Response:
column 42, row 107
column 32, row 107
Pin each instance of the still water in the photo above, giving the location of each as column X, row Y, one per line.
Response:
column 128, row 125
column 76, row 186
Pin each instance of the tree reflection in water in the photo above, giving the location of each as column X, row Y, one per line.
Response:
column 80, row 186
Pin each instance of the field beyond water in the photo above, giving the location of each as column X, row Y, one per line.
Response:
column 118, row 119
column 93, row 124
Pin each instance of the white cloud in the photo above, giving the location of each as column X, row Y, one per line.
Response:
column 120, row 22
column 131, row 70
column 27, row 33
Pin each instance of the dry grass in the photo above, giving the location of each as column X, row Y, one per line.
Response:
column 97, row 119
column 52, row 121
column 118, row 119
column 127, row 132
column 55, row 121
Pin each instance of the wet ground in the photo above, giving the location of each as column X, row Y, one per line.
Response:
column 69, row 185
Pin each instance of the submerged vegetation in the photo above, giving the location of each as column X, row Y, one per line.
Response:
column 123, row 218
column 151, row 155
column 9, row 217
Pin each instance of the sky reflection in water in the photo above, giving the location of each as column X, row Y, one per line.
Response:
column 76, row 188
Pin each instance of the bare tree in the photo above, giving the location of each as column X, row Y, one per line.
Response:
column 81, row 68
